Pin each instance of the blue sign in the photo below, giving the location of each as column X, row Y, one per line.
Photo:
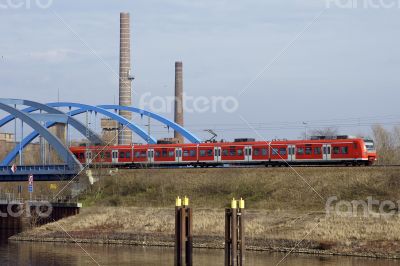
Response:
column 30, row 188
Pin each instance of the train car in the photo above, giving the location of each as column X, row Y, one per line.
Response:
column 342, row 150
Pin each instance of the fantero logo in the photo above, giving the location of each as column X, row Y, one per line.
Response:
column 363, row 4
column 25, row 4
column 366, row 208
column 42, row 209
column 189, row 104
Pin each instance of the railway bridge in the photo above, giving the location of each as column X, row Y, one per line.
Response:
column 39, row 118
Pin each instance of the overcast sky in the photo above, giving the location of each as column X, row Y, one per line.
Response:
column 285, row 62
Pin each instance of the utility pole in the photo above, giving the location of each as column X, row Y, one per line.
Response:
column 305, row 128
column 21, row 159
column 87, row 139
column 148, row 130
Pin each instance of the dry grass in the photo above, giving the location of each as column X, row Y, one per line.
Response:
column 357, row 229
column 207, row 222
column 210, row 222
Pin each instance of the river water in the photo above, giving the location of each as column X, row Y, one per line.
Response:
column 26, row 253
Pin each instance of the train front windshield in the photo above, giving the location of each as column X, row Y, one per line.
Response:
column 370, row 146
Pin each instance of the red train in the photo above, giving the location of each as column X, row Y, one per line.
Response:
column 342, row 150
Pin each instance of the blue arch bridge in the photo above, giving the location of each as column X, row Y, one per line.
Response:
column 40, row 117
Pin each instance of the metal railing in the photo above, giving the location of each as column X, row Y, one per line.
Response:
column 39, row 169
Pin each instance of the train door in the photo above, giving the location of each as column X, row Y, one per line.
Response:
column 150, row 155
column 217, row 154
column 178, row 155
column 248, row 153
column 326, row 150
column 114, row 156
column 291, row 153
column 88, row 157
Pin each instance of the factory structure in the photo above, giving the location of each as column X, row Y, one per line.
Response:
column 178, row 115
column 112, row 132
column 125, row 77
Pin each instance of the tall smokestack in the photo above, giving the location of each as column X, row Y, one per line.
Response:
column 178, row 99
column 125, row 86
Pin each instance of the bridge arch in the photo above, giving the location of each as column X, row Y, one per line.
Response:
column 84, row 107
column 34, row 106
column 103, row 109
column 188, row 135
column 64, row 153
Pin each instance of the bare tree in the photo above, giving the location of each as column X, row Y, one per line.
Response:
column 387, row 144
column 326, row 131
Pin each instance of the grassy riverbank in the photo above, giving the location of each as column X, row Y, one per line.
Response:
column 285, row 209
column 262, row 188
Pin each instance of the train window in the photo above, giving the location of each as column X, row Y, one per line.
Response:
column 317, row 150
column 308, row 150
column 137, row 154
column 225, row 152
column 128, row 155
column 209, row 152
column 143, row 154
column 81, row 156
column 158, row 154
column 122, row 154
column 282, row 151
column 274, row 151
column 336, row 150
column 202, row 153
column 232, row 152
column 240, row 152
column 264, row 152
column 192, row 153
column 164, row 153
column 300, row 151
column 256, row 152
column 108, row 155
column 185, row 153
column 250, row 151
column 344, row 150
column 171, row 154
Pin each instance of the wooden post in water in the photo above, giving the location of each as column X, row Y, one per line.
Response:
column 241, row 236
column 234, row 234
column 183, row 232
column 189, row 232
column 227, row 237
column 178, row 231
